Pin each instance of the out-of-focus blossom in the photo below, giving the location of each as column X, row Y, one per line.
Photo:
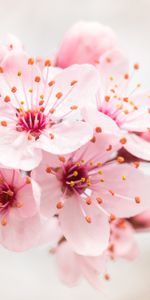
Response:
column 72, row 266
column 12, row 44
column 42, row 111
column 85, row 42
column 122, row 242
column 87, row 190
column 128, row 108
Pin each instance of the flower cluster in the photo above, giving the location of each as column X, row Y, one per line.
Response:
column 73, row 130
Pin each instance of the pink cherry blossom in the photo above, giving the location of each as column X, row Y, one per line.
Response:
column 122, row 242
column 19, row 206
column 85, row 42
column 87, row 189
column 12, row 44
column 128, row 107
column 42, row 111
column 72, row 266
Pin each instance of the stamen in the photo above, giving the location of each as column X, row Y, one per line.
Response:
column 137, row 199
column 60, row 205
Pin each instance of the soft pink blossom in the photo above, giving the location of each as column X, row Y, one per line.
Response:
column 72, row 266
column 85, row 42
column 12, row 44
column 42, row 111
column 129, row 108
column 122, row 242
column 87, row 189
column 19, row 206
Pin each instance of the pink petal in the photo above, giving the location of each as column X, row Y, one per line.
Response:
column 113, row 63
column 16, row 62
column 68, row 264
column 123, row 239
column 51, row 190
column 16, row 151
column 98, row 119
column 76, row 83
column 29, row 197
column 92, row 277
column 84, row 42
column 122, row 186
column 137, row 121
column 66, row 137
column 20, row 234
column 80, row 234
column 13, row 43
column 50, row 232
column 138, row 146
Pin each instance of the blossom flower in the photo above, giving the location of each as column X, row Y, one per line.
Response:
column 72, row 266
column 129, row 109
column 122, row 244
column 12, row 44
column 19, row 206
column 87, row 189
column 42, row 111
column 85, row 42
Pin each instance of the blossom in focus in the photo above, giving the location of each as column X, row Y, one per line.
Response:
column 85, row 42
column 19, row 207
column 129, row 108
column 42, row 111
column 88, row 189
column 12, row 44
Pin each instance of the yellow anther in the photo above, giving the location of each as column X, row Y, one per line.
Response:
column 124, row 177
column 72, row 183
column 75, row 173
column 99, row 164
column 83, row 179
column 100, row 172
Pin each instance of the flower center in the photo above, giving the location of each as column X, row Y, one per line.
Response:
column 7, row 196
column 75, row 177
column 32, row 121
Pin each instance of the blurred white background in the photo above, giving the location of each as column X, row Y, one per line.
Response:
column 40, row 25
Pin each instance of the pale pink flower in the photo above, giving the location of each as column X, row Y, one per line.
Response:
column 122, row 242
column 19, row 206
column 85, row 42
column 72, row 266
column 42, row 111
column 127, row 107
column 87, row 190
column 12, row 44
